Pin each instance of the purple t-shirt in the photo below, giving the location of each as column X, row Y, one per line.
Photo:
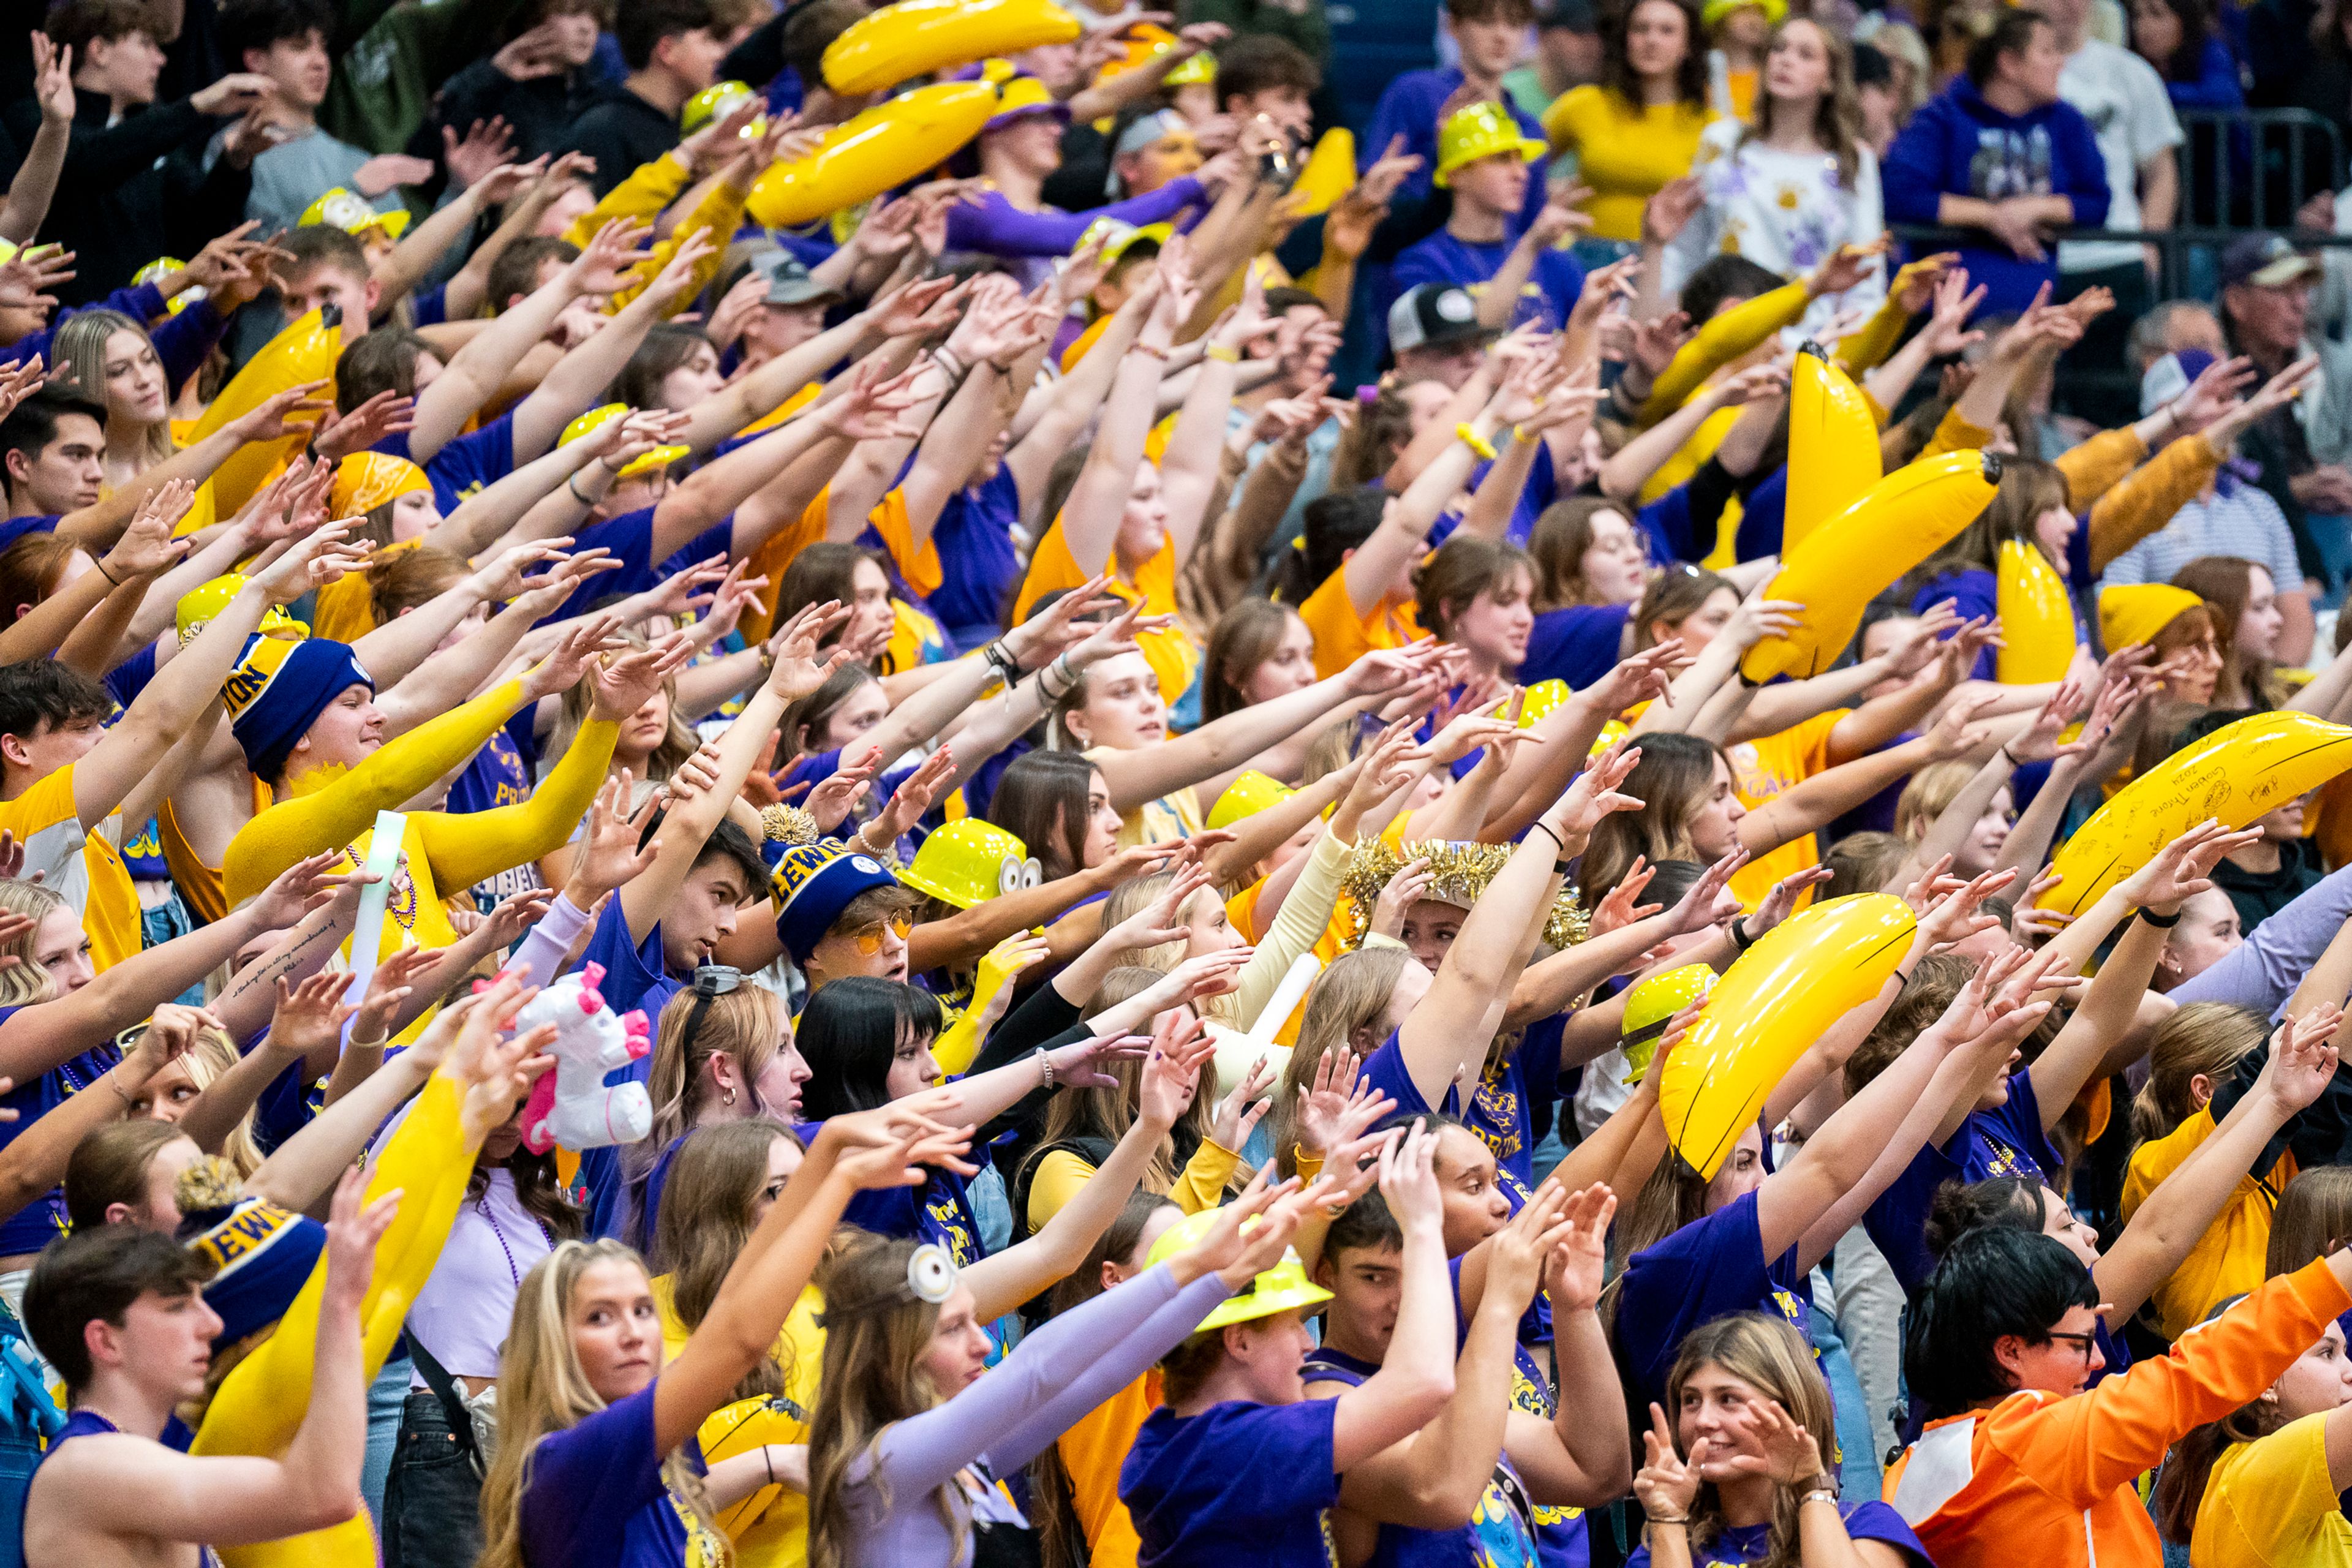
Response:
column 1869, row 1521
column 2006, row 1141
column 1709, row 1268
column 1237, row 1483
column 594, row 1498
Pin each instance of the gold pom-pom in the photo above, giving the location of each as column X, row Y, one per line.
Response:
column 1458, row 874
column 787, row 824
column 209, row 1184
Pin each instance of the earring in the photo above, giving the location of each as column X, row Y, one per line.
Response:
column 727, row 1096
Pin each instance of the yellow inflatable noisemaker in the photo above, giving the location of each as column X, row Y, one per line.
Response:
column 921, row 38
column 1328, row 174
column 2037, row 620
column 1856, row 556
column 2236, row 773
column 1770, row 1005
column 887, row 145
column 305, row 352
column 1833, row 446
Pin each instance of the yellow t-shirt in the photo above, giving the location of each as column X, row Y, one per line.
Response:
column 1092, row 1450
column 918, row 565
column 770, row 1528
column 773, row 555
column 2228, row 1258
column 84, row 868
column 1174, row 657
column 1624, row 153
column 1342, row 636
column 2270, row 1504
column 1766, row 767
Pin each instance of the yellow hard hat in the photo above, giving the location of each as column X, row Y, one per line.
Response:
column 597, row 419
column 345, row 210
column 1715, row 11
column 1200, row 69
column 715, row 102
column 163, row 266
column 1117, row 237
column 1281, row 1288
column 1022, row 96
column 969, row 862
column 200, row 603
column 1479, row 131
column 1543, row 698
column 1652, row 1006
column 1250, row 792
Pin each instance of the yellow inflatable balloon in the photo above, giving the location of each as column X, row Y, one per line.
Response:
column 1833, row 446
column 2235, row 774
column 757, row 1524
column 920, row 38
column 1857, row 555
column 2037, row 618
column 1770, row 1005
column 1329, row 173
column 307, row 351
column 887, row 145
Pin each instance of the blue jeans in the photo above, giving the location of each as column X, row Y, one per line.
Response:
column 386, row 1395
column 1858, row 1471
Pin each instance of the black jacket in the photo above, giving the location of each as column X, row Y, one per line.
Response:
column 542, row 110
column 620, row 130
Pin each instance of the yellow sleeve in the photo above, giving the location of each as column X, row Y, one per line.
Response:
column 331, row 816
column 467, row 848
column 1867, row 346
column 717, row 214
column 649, row 188
column 1954, row 434
column 917, row 564
column 2098, row 465
column 1309, row 1164
column 2147, row 500
column 1720, row 341
column 1059, row 1176
column 1201, row 1185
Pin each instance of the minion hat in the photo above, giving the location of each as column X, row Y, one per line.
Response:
column 261, row 1254
column 1250, row 792
column 1652, row 1006
column 200, row 603
column 597, row 419
column 2134, row 612
column 1021, row 96
column 1479, row 131
column 1542, row 700
column 1715, row 11
column 1282, row 1289
column 1118, row 237
column 339, row 208
column 163, row 266
column 969, row 862
column 279, row 690
column 812, row 885
column 715, row 102
column 366, row 480
column 1458, row 874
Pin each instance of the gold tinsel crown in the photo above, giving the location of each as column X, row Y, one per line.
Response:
column 1458, row 874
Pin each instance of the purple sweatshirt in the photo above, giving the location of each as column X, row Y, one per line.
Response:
column 995, row 226
column 1014, row 1412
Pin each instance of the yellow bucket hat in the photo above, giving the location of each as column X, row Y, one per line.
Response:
column 1281, row 1288
column 969, row 862
column 352, row 213
column 2134, row 612
column 1479, row 131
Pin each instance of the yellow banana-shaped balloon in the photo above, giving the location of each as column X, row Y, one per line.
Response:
column 1329, row 173
column 919, row 37
column 2037, row 618
column 1857, row 555
column 887, row 145
column 761, row 1522
column 1833, row 446
column 307, row 351
column 1772, row 1002
column 2235, row 774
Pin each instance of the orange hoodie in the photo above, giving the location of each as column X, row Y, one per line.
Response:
column 2056, row 1473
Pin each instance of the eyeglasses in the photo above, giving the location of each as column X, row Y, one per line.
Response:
column 2085, row 1343
column 869, row 938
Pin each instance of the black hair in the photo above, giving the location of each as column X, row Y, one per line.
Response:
column 32, row 426
column 77, row 24
column 1617, row 73
column 1336, row 523
column 2206, row 723
column 1520, row 11
column 516, row 271
column 1722, row 279
column 380, row 361
column 1958, row 1209
column 97, row 1275
column 1041, row 799
column 644, row 24
column 41, row 689
column 728, row 841
column 1872, row 68
column 666, row 347
column 1280, row 302
column 849, row 1035
column 1993, row 1284
column 2012, row 34
column 1257, row 61
column 1365, row 1225
column 258, row 23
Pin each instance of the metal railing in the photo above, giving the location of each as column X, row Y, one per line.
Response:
column 2188, row 259
column 2252, row 167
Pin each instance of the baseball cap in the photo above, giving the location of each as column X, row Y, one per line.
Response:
column 789, row 282
column 1431, row 316
column 2266, row 261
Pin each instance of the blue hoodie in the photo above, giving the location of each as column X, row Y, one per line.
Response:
column 1957, row 144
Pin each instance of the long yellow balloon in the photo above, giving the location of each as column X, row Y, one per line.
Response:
column 919, row 37
column 1857, row 555
column 1833, row 457
column 2037, row 618
column 2235, row 774
column 887, row 145
column 1330, row 172
column 307, row 351
column 1770, row 1005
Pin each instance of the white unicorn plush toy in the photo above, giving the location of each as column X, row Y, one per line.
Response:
column 573, row 1106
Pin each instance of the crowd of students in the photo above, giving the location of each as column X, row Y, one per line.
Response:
column 1023, row 875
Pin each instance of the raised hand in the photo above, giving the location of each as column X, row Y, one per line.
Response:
column 300, row 888
column 1592, row 796
column 626, row 681
column 609, row 858
column 2302, row 1058
column 338, row 435
column 1790, row 1455
column 1181, row 1048
column 2183, row 869
column 309, row 1017
column 798, row 668
column 1238, row 1113
column 1667, row 1484
column 1079, row 1065
column 1578, row 1265
column 147, row 547
column 1406, row 887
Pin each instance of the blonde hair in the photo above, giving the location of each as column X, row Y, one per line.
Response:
column 1354, row 993
column 1931, row 790
column 1767, row 1354
column 873, row 1379
column 709, row 1209
column 2203, row 1038
column 24, row 981
column 1134, row 893
column 542, row 1389
column 675, row 746
column 745, row 1025
column 206, row 1062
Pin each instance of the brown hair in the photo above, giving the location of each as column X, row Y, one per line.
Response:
column 32, row 569
column 410, row 578
column 2181, row 1481
column 1774, row 1359
column 109, row 1167
column 1244, row 638
column 1353, row 993
column 1863, row 863
column 2226, row 584
column 1931, row 988
column 2313, row 1219
column 1617, row 73
column 1837, row 116
column 1562, row 533
column 2027, row 490
column 1463, row 568
column 1675, row 594
column 709, row 1209
column 2202, row 1039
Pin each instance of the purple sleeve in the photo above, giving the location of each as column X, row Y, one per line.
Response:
column 540, row 957
column 999, row 229
column 1912, row 179
column 588, row 1476
column 184, row 341
column 1104, row 1337
column 143, row 302
column 2264, row 969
